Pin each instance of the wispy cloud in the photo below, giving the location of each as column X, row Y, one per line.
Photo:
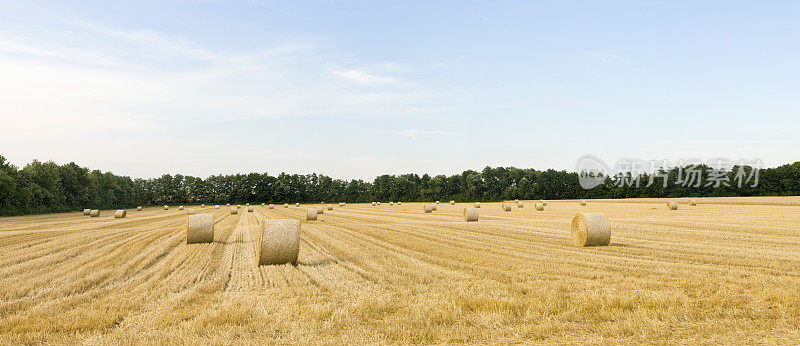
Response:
column 363, row 77
column 414, row 134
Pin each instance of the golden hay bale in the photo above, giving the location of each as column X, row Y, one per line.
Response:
column 297, row 205
column 520, row 204
column 428, row 209
column 272, row 206
column 470, row 214
column 672, row 205
column 399, row 203
column 250, row 209
column 202, row 206
column 391, row 204
column 263, row 204
column 477, row 204
column 227, row 204
column 434, row 207
column 543, row 202
column 238, row 206
column 286, row 205
column 234, row 210
column 180, row 207
column 342, row 205
column 437, row 202
column 200, row 229
column 379, row 203
column 120, row 214
column 280, row 242
column 320, row 210
column 516, row 201
column 247, row 204
column 505, row 207
column 86, row 212
column 583, row 203
column 311, row 214
column 191, row 211
column 166, row 207
column 139, row 208
column 329, row 207
column 373, row 204
column 216, row 206
column 692, row 203
column 94, row 213
column 590, row 229
column 539, row 206
column 452, row 202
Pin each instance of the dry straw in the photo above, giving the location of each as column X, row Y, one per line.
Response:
column 166, row 207
column 391, row 204
column 543, row 202
column 234, row 210
column 280, row 242
column 399, row 203
column 311, row 214
column 139, row 208
column 202, row 206
column 330, row 206
column 191, row 212
column 86, row 212
column 437, row 202
column 286, row 205
column 539, row 206
column 373, row 204
column 672, row 205
column 520, row 204
column 216, row 206
column 297, row 205
column 272, row 206
column 200, row 229
column 470, row 214
column 452, row 202
column 505, row 207
column 516, row 201
column 428, row 209
column 435, row 207
column 693, row 203
column 477, row 204
column 583, row 203
column 379, row 203
column 94, row 213
column 180, row 207
column 320, row 210
column 263, row 204
column 250, row 209
column 247, row 204
column 342, row 205
column 590, row 229
column 120, row 214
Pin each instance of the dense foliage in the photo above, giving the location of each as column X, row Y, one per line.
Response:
column 48, row 187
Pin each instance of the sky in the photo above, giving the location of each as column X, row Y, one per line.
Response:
column 355, row 89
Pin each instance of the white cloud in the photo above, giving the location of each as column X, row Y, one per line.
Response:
column 363, row 77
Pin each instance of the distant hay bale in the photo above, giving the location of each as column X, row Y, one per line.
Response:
column 139, row 208
column 373, row 204
column 86, row 212
column 391, row 204
column 120, row 214
column 543, row 202
column 227, row 204
column 539, row 206
column 216, row 206
column 297, row 205
column 672, row 205
column 247, row 204
column 437, row 202
column 94, row 213
column 180, row 207
column 200, row 229
column 329, row 206
column 379, row 203
column 280, row 242
column 272, row 206
column 311, row 214
column 250, row 209
column 470, row 214
column 286, row 205
column 477, row 204
column 692, row 203
column 435, row 207
column 583, row 203
column 238, row 206
column 166, row 207
column 342, row 205
column 234, row 210
column 428, row 209
column 520, row 204
column 516, row 201
column 202, row 206
column 263, row 204
column 320, row 210
column 590, row 229
column 452, row 202
column 399, row 203
column 505, row 207
column 191, row 211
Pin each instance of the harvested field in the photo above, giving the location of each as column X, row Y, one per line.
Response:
column 724, row 272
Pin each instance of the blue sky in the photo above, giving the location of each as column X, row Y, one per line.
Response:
column 354, row 89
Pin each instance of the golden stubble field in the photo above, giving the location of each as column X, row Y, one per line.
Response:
column 392, row 274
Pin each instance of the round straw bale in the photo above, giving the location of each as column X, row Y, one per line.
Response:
column 320, row 210
column 516, row 201
column 86, row 212
column 234, row 210
column 379, row 203
column 520, row 204
column 428, row 209
column 238, row 206
column 452, row 202
column 692, row 203
column 505, row 207
column 297, row 205
column 434, row 207
column 216, row 206
column 247, row 204
column 94, row 213
column 227, row 204
column 399, row 203
column 180, row 207
column 202, row 206
column 200, row 229
column 373, row 204
column 470, row 214
column 589, row 229
column 280, row 242
column 139, row 208
column 341, row 205
column 272, row 206
column 583, row 203
column 191, row 211
column 391, row 204
column 543, row 202
column 166, row 207
column 672, row 205
column 330, row 206
column 286, row 205
column 250, row 209
column 477, row 204
column 263, row 204
column 539, row 206
column 311, row 214
column 437, row 202
column 120, row 214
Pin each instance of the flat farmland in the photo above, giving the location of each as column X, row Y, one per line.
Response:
column 724, row 271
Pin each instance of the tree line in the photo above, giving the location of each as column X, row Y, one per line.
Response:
column 46, row 187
